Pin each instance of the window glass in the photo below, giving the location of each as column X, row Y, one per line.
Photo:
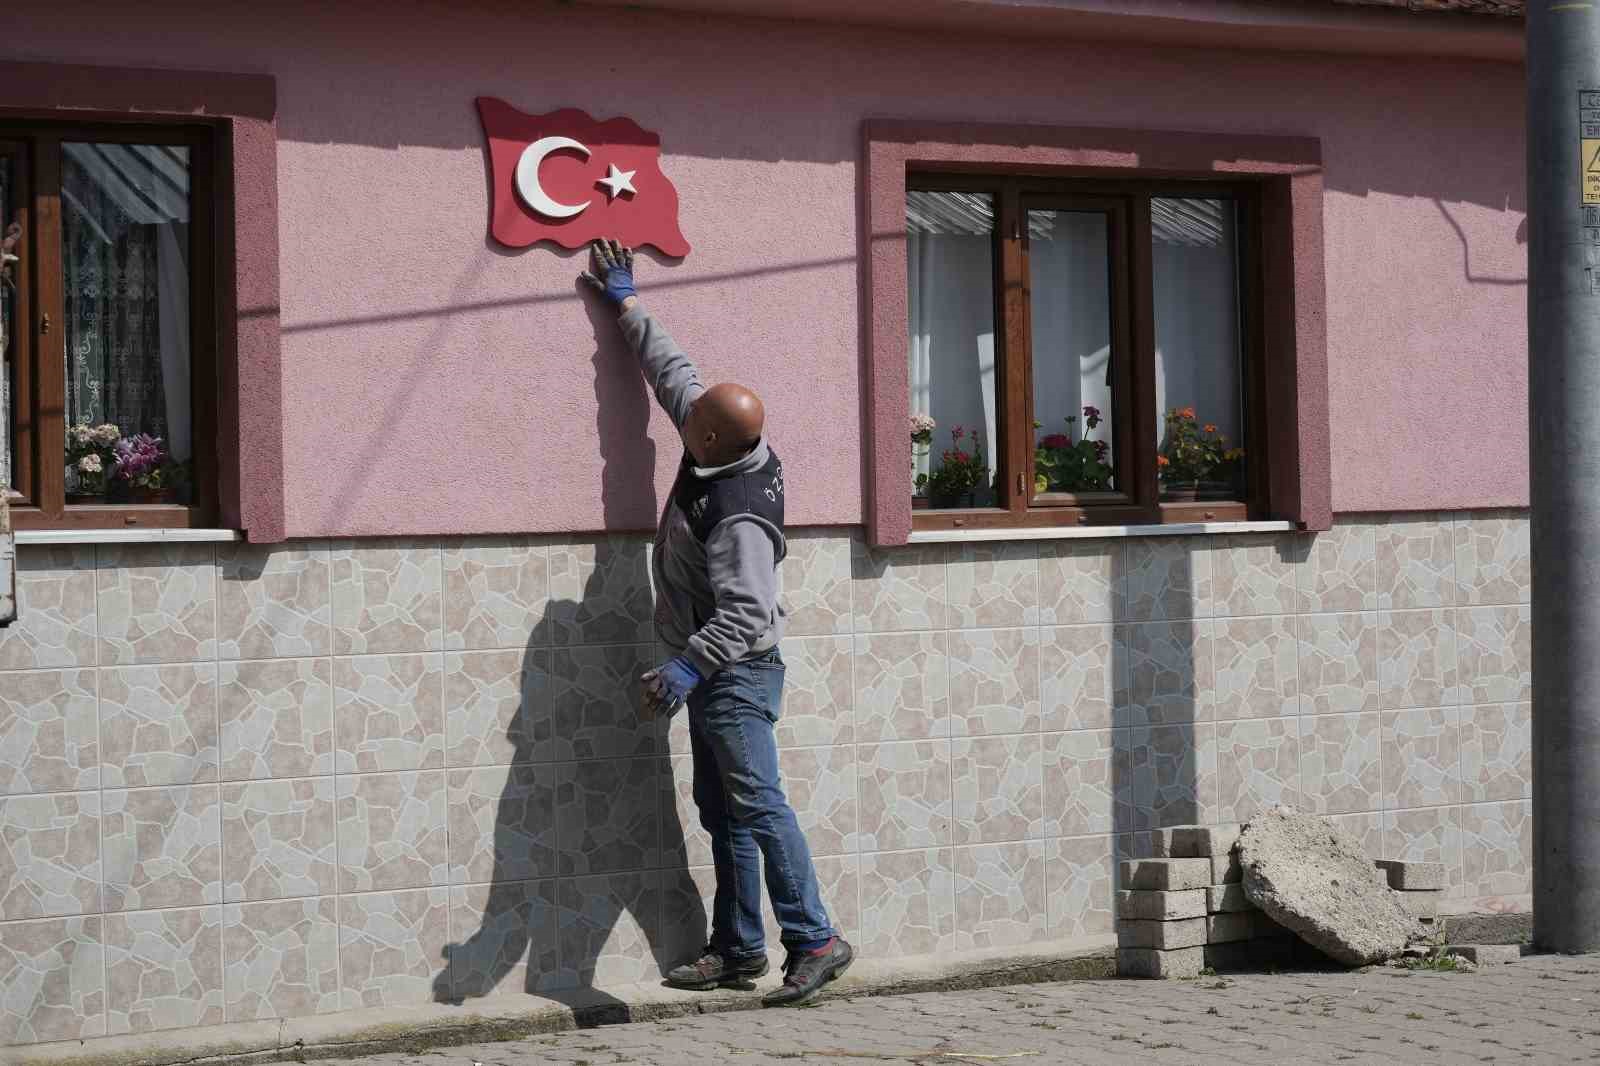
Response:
column 1069, row 296
column 125, row 256
column 950, row 271
column 1197, row 331
column 8, row 326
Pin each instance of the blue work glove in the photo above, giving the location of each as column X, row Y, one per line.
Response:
column 613, row 271
column 670, row 684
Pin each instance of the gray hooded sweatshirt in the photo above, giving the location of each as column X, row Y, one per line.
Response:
column 717, row 602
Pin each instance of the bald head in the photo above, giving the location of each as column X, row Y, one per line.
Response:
column 724, row 423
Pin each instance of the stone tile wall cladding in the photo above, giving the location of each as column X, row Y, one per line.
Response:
column 241, row 783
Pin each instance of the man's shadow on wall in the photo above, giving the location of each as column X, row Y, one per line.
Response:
column 550, row 917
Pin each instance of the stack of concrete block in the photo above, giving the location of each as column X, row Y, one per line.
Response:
column 1420, row 885
column 1185, row 909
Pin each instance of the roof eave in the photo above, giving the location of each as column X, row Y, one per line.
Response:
column 1376, row 28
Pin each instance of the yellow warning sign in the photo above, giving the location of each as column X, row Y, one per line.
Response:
column 1591, row 170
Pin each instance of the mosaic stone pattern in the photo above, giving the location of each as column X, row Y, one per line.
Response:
column 248, row 782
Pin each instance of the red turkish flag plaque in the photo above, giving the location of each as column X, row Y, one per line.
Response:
column 565, row 177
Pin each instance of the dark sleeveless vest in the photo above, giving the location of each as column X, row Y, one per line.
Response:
column 707, row 501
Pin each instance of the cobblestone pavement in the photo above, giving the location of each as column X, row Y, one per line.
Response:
column 1541, row 1010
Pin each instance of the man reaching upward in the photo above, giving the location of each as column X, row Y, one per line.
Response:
column 715, row 564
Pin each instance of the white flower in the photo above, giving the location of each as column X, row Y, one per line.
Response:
column 81, row 433
column 106, row 433
column 90, row 464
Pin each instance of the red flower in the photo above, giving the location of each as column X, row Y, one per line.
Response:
column 1100, row 449
column 958, row 433
column 1091, row 416
column 1162, row 460
column 1210, row 427
column 1187, row 412
column 1056, row 440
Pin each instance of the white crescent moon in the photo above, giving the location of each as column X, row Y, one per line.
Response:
column 528, row 177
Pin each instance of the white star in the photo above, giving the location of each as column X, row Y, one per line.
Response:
column 617, row 182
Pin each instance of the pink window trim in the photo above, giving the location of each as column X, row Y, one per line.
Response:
column 243, row 107
column 1290, row 170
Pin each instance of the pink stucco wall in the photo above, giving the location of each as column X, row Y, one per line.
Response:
column 435, row 383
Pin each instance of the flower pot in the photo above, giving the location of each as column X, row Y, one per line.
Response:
column 81, row 499
column 955, row 501
column 920, row 503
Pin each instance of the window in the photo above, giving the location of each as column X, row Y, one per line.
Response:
column 1081, row 351
column 109, row 403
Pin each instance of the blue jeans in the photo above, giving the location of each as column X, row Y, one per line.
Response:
column 742, row 806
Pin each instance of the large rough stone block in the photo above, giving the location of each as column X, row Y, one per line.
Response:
column 1315, row 879
column 1221, row 898
column 1161, row 906
column 1415, row 876
column 1204, row 840
column 1168, row 936
column 1149, row 962
column 1165, row 875
column 1266, row 928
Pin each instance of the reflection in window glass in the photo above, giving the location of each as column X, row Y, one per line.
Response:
column 950, row 272
column 1069, row 295
column 125, row 253
column 1198, row 337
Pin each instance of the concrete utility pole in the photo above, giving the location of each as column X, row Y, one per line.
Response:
column 1563, row 71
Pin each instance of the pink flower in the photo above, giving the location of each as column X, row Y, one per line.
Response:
column 138, row 456
column 1100, row 449
column 958, row 432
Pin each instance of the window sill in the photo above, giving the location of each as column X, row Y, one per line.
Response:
column 1175, row 529
column 26, row 537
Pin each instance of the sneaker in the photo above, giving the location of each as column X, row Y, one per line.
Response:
column 804, row 973
column 711, row 970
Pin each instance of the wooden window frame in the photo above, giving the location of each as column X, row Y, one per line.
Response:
column 39, row 499
column 20, row 333
column 1290, row 380
column 1134, row 422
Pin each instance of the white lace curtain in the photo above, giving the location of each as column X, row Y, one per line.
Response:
column 1194, row 260
column 125, row 236
column 952, row 339
column 1071, row 320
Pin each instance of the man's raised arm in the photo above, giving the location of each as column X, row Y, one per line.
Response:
column 669, row 372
